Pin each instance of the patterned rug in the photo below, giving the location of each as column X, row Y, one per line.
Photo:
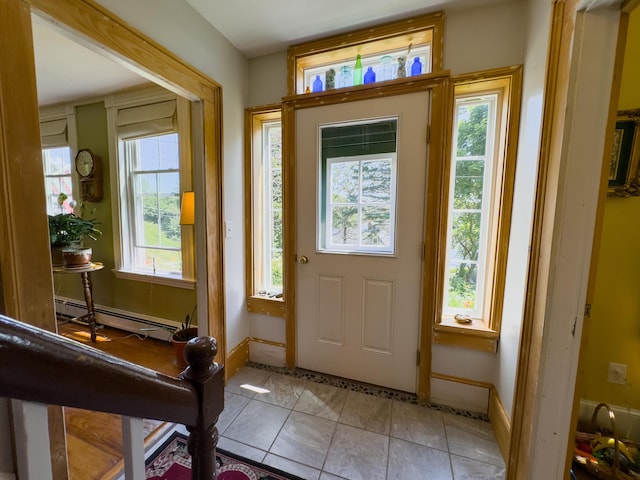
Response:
column 172, row 462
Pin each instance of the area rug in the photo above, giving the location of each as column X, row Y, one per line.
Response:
column 171, row 461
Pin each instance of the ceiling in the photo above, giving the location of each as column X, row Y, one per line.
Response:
column 81, row 73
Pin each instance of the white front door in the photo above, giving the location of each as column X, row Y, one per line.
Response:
column 361, row 169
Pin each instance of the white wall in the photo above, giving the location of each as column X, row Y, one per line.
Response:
column 267, row 79
column 537, row 34
column 180, row 29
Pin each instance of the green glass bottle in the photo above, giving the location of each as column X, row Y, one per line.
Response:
column 357, row 71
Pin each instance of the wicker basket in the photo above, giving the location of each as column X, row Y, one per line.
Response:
column 601, row 470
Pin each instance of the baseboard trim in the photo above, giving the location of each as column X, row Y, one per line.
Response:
column 500, row 422
column 155, row 327
column 465, row 381
column 237, row 358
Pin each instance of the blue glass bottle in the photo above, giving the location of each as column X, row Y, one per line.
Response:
column 370, row 76
column 416, row 67
column 317, row 84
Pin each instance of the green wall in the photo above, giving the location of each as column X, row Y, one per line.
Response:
column 139, row 297
column 614, row 334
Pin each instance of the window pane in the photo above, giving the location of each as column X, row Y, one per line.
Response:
column 469, row 183
column 376, row 181
column 344, row 222
column 467, row 237
column 156, row 260
column 344, row 182
column 158, row 153
column 472, row 129
column 57, row 171
column 462, row 286
column 155, row 213
column 375, row 226
column 269, row 205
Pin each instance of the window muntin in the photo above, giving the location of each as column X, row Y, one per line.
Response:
column 470, row 207
column 58, row 179
column 153, row 165
column 270, row 205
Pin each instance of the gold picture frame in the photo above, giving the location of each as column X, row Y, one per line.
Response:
column 623, row 163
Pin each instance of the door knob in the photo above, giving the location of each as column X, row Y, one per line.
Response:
column 303, row 259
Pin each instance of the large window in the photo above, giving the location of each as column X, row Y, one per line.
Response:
column 154, row 172
column 264, row 208
column 150, row 133
column 58, row 179
column 473, row 166
column 477, row 211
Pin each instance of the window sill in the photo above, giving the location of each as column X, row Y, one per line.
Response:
column 266, row 306
column 475, row 336
column 157, row 279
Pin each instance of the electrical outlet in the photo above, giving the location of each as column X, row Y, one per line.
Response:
column 617, row 373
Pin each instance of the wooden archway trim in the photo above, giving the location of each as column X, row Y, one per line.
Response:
column 106, row 32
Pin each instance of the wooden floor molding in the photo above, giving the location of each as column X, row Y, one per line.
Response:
column 237, row 358
column 500, row 422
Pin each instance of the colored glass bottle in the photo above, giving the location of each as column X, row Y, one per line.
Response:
column 317, row 84
column 416, row 67
column 370, row 76
column 357, row 71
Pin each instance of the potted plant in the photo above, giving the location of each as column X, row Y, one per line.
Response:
column 180, row 337
column 67, row 231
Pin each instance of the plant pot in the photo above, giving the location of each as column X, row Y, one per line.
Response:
column 76, row 257
column 178, row 346
column 57, row 260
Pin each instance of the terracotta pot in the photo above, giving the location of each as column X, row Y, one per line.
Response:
column 76, row 257
column 178, row 347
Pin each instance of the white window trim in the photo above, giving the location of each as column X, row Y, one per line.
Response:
column 113, row 103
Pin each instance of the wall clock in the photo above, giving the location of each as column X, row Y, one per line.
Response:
column 90, row 173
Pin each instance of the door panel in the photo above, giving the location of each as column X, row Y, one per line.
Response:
column 358, row 313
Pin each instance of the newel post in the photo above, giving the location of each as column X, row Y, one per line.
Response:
column 207, row 378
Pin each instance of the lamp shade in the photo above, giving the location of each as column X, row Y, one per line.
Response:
column 187, row 209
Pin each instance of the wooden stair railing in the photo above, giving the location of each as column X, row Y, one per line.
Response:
column 39, row 366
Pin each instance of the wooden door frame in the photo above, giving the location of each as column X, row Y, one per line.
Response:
column 438, row 84
column 564, row 89
column 25, row 274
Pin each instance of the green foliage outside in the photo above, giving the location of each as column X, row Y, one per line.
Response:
column 467, row 204
column 275, row 157
column 162, row 229
column 372, row 192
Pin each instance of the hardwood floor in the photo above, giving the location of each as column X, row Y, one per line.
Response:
column 94, row 439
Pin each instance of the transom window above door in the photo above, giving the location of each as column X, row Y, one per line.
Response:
column 358, row 188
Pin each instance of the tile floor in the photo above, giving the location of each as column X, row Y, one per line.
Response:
column 322, row 432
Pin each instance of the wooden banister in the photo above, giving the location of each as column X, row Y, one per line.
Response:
column 43, row 367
